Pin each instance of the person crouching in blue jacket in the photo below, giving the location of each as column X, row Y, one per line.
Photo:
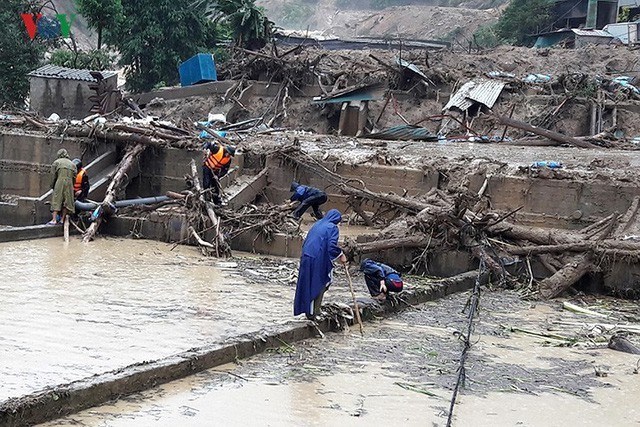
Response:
column 308, row 197
column 381, row 279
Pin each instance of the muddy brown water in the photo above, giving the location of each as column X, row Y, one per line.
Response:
column 402, row 373
column 72, row 310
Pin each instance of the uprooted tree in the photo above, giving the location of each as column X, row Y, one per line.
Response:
column 441, row 221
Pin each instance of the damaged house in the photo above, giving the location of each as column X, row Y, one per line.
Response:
column 579, row 22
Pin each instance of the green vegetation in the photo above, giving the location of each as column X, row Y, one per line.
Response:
column 18, row 54
column 100, row 14
column 154, row 36
column 247, row 22
column 486, row 37
column 92, row 60
column 629, row 14
column 521, row 19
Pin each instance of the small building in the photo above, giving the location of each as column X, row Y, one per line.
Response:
column 573, row 37
column 593, row 14
column 626, row 32
column 71, row 93
column 355, row 106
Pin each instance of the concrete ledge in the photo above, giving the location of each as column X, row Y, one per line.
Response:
column 55, row 402
column 31, row 232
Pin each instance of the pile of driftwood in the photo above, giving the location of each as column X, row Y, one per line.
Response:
column 441, row 221
column 149, row 133
column 303, row 65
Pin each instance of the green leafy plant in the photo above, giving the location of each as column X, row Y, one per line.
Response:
column 523, row 18
column 486, row 37
column 154, row 36
column 18, row 54
column 100, row 14
column 93, row 59
column 249, row 26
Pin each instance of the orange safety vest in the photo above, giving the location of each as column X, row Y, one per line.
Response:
column 77, row 184
column 217, row 160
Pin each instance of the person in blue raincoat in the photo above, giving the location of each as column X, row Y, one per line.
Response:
column 380, row 278
column 309, row 197
column 319, row 250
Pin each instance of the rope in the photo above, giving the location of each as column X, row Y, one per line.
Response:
column 473, row 308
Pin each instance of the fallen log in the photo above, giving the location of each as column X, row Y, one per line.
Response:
column 555, row 136
column 221, row 246
column 406, row 203
column 602, row 247
column 541, row 236
column 121, row 136
column 415, row 241
column 567, row 276
column 629, row 217
column 118, row 181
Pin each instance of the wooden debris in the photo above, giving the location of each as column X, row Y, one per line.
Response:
column 117, row 183
column 222, row 248
column 554, row 136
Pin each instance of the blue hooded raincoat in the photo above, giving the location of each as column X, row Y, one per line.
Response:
column 319, row 250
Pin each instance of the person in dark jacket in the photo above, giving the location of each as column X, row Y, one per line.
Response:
column 216, row 165
column 380, row 278
column 308, row 197
column 319, row 250
column 81, row 184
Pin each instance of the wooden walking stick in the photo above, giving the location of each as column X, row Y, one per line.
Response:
column 66, row 228
column 355, row 303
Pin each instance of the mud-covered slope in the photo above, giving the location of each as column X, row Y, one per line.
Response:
column 438, row 19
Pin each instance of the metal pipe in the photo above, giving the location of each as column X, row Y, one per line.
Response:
column 144, row 201
column 85, row 206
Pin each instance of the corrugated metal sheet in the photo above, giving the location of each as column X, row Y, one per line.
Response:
column 412, row 67
column 404, row 133
column 592, row 33
column 460, row 99
column 56, row 72
column 485, row 92
column 368, row 92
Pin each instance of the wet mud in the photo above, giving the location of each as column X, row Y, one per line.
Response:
column 403, row 371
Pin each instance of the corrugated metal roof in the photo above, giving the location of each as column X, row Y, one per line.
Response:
column 56, row 72
column 460, row 98
column 485, row 92
column 412, row 67
column 592, row 33
column 404, row 133
column 367, row 92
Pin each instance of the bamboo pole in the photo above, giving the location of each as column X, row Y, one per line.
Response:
column 355, row 302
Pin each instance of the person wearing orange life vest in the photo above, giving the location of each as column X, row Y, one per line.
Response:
column 81, row 184
column 216, row 165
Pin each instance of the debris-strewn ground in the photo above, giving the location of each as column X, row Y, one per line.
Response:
column 404, row 368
